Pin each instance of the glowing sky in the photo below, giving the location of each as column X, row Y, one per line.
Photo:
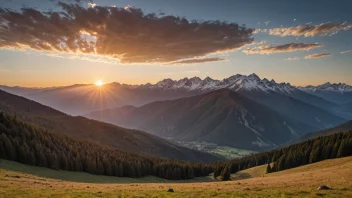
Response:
column 118, row 40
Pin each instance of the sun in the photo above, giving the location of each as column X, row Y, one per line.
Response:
column 99, row 83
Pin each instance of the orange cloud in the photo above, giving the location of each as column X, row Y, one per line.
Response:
column 126, row 34
column 291, row 47
column 309, row 30
column 198, row 60
column 312, row 56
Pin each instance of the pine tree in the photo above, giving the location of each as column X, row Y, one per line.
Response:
column 268, row 169
column 121, row 170
column 190, row 173
column 9, row 149
column 225, row 174
column 342, row 151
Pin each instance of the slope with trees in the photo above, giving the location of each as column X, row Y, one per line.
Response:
column 28, row 144
column 95, row 131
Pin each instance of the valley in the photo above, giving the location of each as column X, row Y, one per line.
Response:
column 159, row 99
column 225, row 151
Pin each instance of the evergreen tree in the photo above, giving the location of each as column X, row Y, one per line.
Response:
column 225, row 174
column 268, row 169
column 190, row 173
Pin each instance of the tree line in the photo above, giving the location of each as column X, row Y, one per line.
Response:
column 32, row 145
column 307, row 152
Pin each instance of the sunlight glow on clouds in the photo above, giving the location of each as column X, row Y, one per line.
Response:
column 313, row 56
column 125, row 34
column 293, row 58
column 198, row 60
column 291, row 47
column 308, row 30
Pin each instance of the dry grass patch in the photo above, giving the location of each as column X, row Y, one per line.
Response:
column 298, row 182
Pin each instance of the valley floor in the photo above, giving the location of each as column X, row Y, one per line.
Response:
column 18, row 180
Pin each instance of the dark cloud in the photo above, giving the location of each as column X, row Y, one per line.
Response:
column 312, row 56
column 127, row 34
column 309, row 30
column 291, row 47
column 198, row 60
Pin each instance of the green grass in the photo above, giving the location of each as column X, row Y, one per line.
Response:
column 298, row 182
column 225, row 151
column 230, row 152
column 257, row 171
column 24, row 170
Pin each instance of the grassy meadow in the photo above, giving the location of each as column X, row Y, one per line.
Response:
column 17, row 180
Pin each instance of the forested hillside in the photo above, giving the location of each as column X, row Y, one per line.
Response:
column 28, row 144
column 99, row 132
column 310, row 151
column 36, row 146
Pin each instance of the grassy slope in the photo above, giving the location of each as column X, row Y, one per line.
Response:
column 14, row 168
column 297, row 182
column 257, row 171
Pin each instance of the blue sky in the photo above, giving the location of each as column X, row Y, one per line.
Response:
column 28, row 67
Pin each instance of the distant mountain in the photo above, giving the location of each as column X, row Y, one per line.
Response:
column 82, row 99
column 95, row 131
column 287, row 100
column 347, row 126
column 23, row 91
column 296, row 109
column 223, row 117
column 337, row 92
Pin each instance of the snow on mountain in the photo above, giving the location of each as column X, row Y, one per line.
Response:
column 338, row 87
column 236, row 82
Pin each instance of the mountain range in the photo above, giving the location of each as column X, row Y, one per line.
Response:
column 134, row 141
column 216, row 111
column 222, row 117
column 80, row 99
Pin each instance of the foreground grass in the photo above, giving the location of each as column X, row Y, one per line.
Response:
column 297, row 182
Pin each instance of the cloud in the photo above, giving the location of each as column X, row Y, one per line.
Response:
column 198, row 60
column 292, row 58
column 347, row 51
column 309, row 30
column 126, row 34
column 312, row 56
column 256, row 31
column 291, row 47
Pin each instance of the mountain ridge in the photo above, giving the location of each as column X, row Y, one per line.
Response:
column 205, row 117
column 95, row 131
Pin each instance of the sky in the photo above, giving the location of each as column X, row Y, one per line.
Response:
column 50, row 43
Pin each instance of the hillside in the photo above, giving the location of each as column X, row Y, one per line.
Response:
column 32, row 145
column 95, row 131
column 223, row 117
column 297, row 182
column 293, row 108
column 347, row 126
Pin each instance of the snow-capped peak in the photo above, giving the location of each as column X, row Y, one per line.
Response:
column 338, row 87
column 236, row 82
